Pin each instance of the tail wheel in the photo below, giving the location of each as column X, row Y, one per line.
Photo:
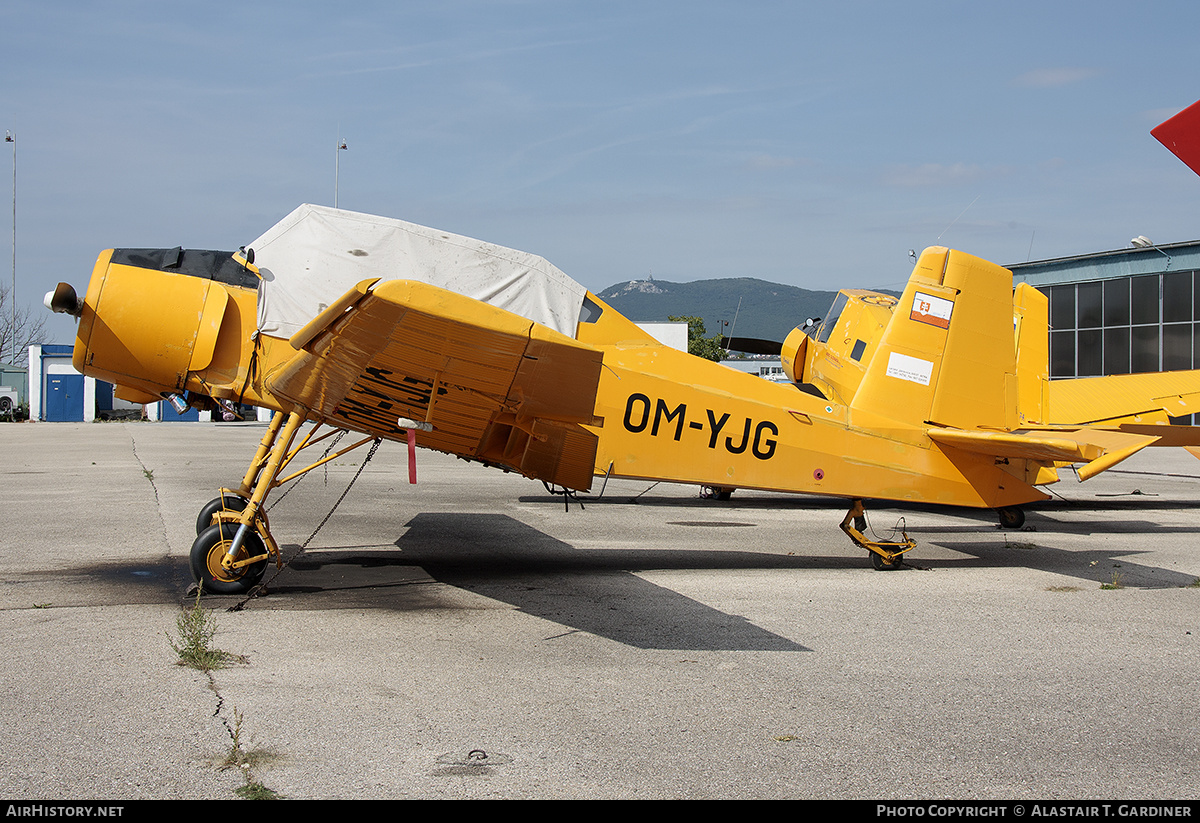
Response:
column 882, row 565
column 226, row 502
column 1011, row 517
column 210, row 548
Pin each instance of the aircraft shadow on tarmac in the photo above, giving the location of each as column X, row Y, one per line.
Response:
column 1012, row 549
column 1048, row 513
column 501, row 558
column 597, row 591
column 1100, row 567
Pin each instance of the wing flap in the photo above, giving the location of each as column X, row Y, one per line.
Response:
column 493, row 385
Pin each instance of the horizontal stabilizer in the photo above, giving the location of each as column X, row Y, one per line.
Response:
column 1096, row 449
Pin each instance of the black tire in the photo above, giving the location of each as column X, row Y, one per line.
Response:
column 226, row 501
column 1011, row 517
column 211, row 545
column 6, row 405
column 882, row 565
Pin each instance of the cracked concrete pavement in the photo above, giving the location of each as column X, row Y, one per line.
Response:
column 649, row 644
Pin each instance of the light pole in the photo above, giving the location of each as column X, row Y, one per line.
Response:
column 9, row 137
column 337, row 156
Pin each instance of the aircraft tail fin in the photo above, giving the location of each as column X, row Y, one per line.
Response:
column 1181, row 135
column 1031, row 325
column 947, row 356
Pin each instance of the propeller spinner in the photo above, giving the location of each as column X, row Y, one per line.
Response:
column 63, row 300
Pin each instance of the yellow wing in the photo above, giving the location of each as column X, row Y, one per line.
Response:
column 472, row 379
column 1121, row 398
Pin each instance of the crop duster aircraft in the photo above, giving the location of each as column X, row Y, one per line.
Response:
column 399, row 332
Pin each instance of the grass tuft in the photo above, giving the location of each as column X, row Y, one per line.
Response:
column 246, row 760
column 253, row 790
column 196, row 628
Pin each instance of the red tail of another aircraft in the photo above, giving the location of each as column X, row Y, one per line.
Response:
column 1181, row 135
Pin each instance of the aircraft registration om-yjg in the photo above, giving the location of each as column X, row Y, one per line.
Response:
column 395, row 331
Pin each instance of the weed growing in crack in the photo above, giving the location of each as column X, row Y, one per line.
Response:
column 239, row 758
column 254, row 790
column 1118, row 582
column 197, row 626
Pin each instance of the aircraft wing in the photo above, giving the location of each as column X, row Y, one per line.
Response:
column 1122, row 398
column 1097, row 449
column 471, row 379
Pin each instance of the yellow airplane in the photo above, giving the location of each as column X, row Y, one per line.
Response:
column 395, row 331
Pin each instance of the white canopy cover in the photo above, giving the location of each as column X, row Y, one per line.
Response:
column 316, row 254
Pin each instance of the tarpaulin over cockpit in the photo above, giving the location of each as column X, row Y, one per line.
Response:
column 316, row 254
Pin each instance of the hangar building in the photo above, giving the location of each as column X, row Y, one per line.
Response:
column 1121, row 312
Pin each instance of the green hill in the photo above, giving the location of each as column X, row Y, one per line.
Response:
column 764, row 310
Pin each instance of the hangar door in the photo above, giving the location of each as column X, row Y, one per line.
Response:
column 64, row 398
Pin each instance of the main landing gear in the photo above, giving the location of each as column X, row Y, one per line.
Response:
column 233, row 538
column 717, row 492
column 885, row 555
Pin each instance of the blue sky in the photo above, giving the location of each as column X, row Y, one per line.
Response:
column 804, row 143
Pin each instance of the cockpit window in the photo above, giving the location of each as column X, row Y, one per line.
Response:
column 831, row 318
column 210, row 265
column 590, row 311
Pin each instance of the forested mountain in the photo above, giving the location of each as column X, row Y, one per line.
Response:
column 764, row 310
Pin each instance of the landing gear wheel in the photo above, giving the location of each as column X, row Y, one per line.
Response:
column 717, row 492
column 211, row 546
column 229, row 502
column 881, row 565
column 1011, row 517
